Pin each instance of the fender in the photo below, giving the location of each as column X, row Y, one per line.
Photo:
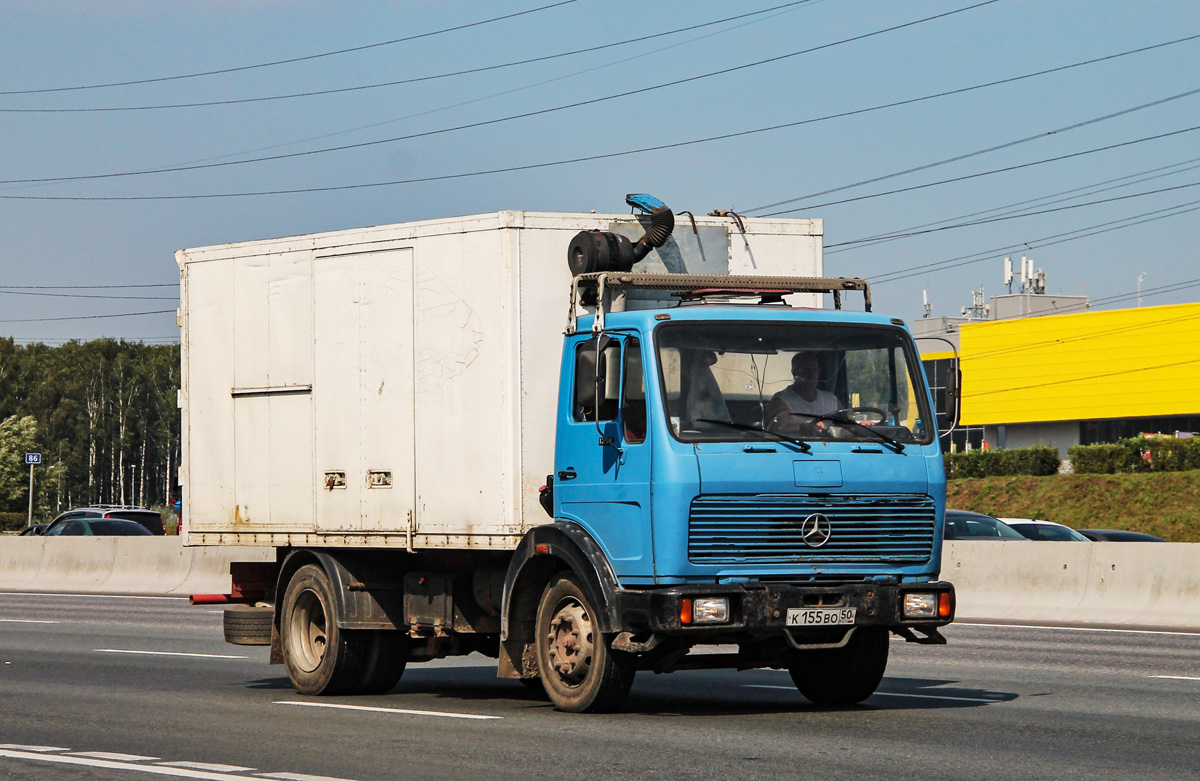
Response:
column 367, row 593
column 568, row 546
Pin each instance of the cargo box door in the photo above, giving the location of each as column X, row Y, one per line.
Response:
column 363, row 391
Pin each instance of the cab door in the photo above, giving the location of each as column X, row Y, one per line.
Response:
column 602, row 453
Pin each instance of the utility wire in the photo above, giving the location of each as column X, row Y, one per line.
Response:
column 989, row 220
column 85, row 295
column 991, row 172
column 89, row 317
column 1130, row 179
column 1046, row 241
column 430, row 34
column 86, row 287
column 511, row 117
column 414, row 80
column 976, row 153
column 609, row 155
column 1083, row 379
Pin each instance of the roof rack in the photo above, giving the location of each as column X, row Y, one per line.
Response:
column 690, row 285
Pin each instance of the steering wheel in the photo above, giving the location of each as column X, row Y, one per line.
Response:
column 870, row 410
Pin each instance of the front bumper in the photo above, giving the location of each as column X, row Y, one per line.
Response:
column 759, row 609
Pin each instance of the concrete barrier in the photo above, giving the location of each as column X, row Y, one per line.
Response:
column 1129, row 584
column 119, row 565
column 1153, row 585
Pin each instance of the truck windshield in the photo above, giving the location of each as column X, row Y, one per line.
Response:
column 746, row 381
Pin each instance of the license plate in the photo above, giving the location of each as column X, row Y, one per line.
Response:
column 820, row 616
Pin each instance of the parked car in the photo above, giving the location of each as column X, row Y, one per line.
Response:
column 147, row 518
column 966, row 525
column 1048, row 531
column 36, row 530
column 96, row 527
column 1118, row 535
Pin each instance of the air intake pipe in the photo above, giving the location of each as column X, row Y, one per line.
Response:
column 596, row 251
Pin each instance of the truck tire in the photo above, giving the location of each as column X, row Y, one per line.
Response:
column 320, row 657
column 385, row 654
column 248, row 624
column 579, row 671
column 843, row 676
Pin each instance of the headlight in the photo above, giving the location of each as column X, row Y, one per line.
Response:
column 920, row 605
column 705, row 610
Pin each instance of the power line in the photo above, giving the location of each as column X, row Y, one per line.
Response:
column 976, row 153
column 1027, row 214
column 273, row 63
column 641, row 150
column 993, row 171
column 86, row 295
column 1058, row 238
column 86, row 287
column 399, row 82
column 89, row 317
column 1137, row 178
column 1083, row 379
column 511, row 117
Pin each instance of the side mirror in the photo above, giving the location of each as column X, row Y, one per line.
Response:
column 953, row 391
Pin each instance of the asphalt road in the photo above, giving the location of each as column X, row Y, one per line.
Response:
column 120, row 688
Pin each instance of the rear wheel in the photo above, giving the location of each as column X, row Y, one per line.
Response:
column 579, row 671
column 843, row 676
column 320, row 657
column 385, row 656
column 248, row 624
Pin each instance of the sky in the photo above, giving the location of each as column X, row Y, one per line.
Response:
column 830, row 109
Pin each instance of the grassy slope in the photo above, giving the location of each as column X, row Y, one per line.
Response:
column 1165, row 503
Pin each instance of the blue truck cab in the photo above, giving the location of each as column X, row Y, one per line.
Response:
column 746, row 473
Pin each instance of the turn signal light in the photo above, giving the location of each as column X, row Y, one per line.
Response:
column 685, row 611
column 944, row 604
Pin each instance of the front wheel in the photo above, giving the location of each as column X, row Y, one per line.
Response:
column 579, row 671
column 843, row 676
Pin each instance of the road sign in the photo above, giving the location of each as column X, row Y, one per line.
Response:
column 33, row 458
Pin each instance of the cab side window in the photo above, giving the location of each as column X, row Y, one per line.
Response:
column 583, row 405
column 633, row 395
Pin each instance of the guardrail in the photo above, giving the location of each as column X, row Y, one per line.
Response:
column 119, row 565
column 1133, row 584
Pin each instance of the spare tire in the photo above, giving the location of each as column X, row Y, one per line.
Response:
column 248, row 624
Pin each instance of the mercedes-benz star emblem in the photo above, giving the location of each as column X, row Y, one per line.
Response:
column 815, row 530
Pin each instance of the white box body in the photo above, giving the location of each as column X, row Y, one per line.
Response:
column 396, row 386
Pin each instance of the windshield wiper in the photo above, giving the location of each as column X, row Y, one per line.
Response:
column 895, row 444
column 804, row 446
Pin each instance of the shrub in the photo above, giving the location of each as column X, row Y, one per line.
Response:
column 1104, row 459
column 1037, row 461
column 1139, row 454
column 12, row 522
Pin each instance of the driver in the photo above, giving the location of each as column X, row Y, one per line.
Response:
column 802, row 396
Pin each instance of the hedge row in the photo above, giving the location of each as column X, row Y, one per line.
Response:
column 1037, row 461
column 11, row 522
column 1140, row 454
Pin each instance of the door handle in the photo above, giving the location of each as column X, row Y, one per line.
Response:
column 567, row 474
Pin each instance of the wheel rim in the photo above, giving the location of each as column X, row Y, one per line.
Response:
column 570, row 643
column 307, row 631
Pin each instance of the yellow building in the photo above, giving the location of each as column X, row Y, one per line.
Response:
column 1079, row 378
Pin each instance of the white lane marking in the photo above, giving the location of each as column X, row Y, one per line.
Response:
column 400, row 711
column 25, row 621
column 882, row 694
column 1175, row 677
column 17, row 747
column 166, row 653
column 1080, row 629
column 113, row 756
column 299, row 777
column 215, row 768
column 87, row 596
column 108, row 764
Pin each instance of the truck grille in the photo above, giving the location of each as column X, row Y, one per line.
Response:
column 766, row 528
